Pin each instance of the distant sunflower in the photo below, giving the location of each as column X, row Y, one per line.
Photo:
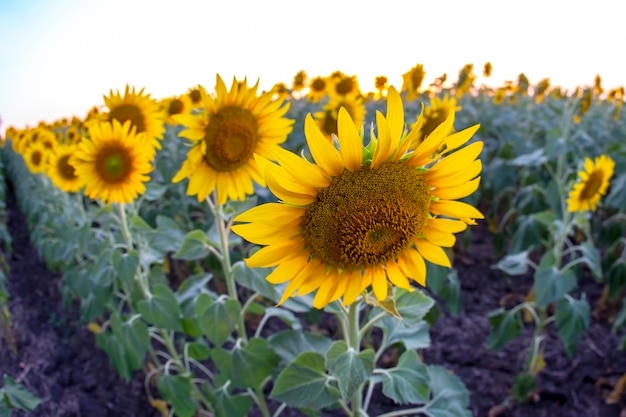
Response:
column 233, row 126
column 412, row 81
column 317, row 89
column 362, row 216
column 61, row 172
column 436, row 113
column 327, row 118
column 114, row 162
column 175, row 105
column 196, row 98
column 343, row 85
column 594, row 181
column 140, row 109
column 35, row 156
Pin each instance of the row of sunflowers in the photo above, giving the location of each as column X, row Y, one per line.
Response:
column 186, row 226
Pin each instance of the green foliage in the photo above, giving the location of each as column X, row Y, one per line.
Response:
column 505, row 326
column 13, row 396
column 572, row 319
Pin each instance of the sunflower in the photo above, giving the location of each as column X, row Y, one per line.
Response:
column 175, row 105
column 327, row 118
column 343, row 85
column 233, row 126
column 437, row 113
column 317, row 89
column 363, row 216
column 196, row 98
column 35, row 156
column 594, row 180
column 140, row 109
column 61, row 172
column 114, row 162
column 412, row 81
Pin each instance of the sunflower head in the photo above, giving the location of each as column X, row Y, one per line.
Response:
column 140, row 110
column 436, row 113
column 299, row 81
column 327, row 118
column 61, row 172
column 35, row 157
column 233, row 126
column 593, row 183
column 113, row 163
column 318, row 87
column 175, row 105
column 360, row 217
column 412, row 81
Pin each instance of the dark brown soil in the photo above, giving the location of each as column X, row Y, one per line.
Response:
column 59, row 362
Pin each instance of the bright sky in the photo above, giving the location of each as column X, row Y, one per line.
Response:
column 59, row 57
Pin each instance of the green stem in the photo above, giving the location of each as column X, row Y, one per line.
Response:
column 407, row 412
column 139, row 275
column 223, row 230
column 536, row 340
column 259, row 398
column 354, row 341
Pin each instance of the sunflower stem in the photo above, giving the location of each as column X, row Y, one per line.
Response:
column 223, row 229
column 354, row 341
column 143, row 284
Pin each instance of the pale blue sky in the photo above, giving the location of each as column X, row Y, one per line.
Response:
column 59, row 57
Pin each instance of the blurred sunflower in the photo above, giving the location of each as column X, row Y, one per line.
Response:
column 299, row 81
column 381, row 84
column 362, row 216
column 233, row 126
column 35, row 156
column 61, row 172
column 196, row 98
column 343, row 85
column 317, row 89
column 466, row 80
column 327, row 118
column 175, row 105
column 140, row 109
column 114, row 162
column 435, row 114
column 412, row 81
column 594, row 181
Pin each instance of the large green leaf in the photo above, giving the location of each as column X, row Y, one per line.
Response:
column 572, row 320
column 217, row 318
column 227, row 405
column 161, row 308
column 168, row 235
column 134, row 337
column 194, row 246
column 126, row 265
column 246, row 366
column 349, row 367
column 288, row 344
column 177, row 389
column 407, row 383
column 551, row 285
column 16, row 396
column 305, row 384
column 505, row 326
column 450, row 397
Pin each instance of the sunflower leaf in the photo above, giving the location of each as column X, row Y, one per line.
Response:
column 572, row 319
column 305, row 384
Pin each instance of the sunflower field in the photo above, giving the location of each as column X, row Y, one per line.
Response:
column 266, row 253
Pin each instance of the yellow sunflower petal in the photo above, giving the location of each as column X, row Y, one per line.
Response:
column 455, row 209
column 350, row 144
column 379, row 282
column 323, row 152
column 432, row 253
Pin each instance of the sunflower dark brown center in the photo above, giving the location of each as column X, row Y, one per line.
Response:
column 113, row 164
column 195, row 96
column 125, row 112
column 36, row 158
column 367, row 217
column 318, row 85
column 345, row 86
column 592, row 185
column 231, row 138
column 176, row 107
column 66, row 170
